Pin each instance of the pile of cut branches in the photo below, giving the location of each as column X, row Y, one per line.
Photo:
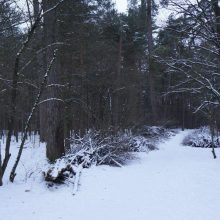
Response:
column 101, row 148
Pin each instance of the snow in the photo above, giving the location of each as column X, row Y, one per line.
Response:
column 174, row 183
column 202, row 138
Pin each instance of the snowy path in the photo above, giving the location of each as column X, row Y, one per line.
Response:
column 174, row 183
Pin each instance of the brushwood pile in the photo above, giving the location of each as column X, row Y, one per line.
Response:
column 103, row 148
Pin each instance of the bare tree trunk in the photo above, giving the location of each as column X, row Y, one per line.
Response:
column 55, row 108
column 118, row 83
column 41, row 58
column 36, row 7
column 0, row 164
column 183, row 112
column 150, row 61
column 216, row 9
column 212, row 130
column 213, row 144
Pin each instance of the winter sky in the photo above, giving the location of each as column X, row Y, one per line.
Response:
column 121, row 5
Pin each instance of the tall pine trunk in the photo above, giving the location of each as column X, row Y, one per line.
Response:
column 118, row 84
column 40, row 70
column 55, row 108
column 151, row 72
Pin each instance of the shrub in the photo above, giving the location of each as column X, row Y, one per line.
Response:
column 201, row 138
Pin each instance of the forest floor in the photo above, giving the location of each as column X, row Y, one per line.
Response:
column 173, row 183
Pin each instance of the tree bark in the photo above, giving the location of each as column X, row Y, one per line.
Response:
column 0, row 165
column 118, row 83
column 36, row 7
column 150, row 61
column 216, row 9
column 41, row 69
column 55, row 109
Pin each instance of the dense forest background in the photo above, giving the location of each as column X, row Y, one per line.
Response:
column 107, row 70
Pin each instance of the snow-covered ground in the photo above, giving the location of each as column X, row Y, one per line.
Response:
column 173, row 183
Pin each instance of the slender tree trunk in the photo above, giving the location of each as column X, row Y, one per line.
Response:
column 216, row 9
column 41, row 69
column 82, row 116
column 150, row 61
column 0, row 164
column 183, row 112
column 27, row 124
column 13, row 102
column 12, row 117
column 36, row 7
column 41, row 60
column 213, row 144
column 212, row 130
column 118, row 84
